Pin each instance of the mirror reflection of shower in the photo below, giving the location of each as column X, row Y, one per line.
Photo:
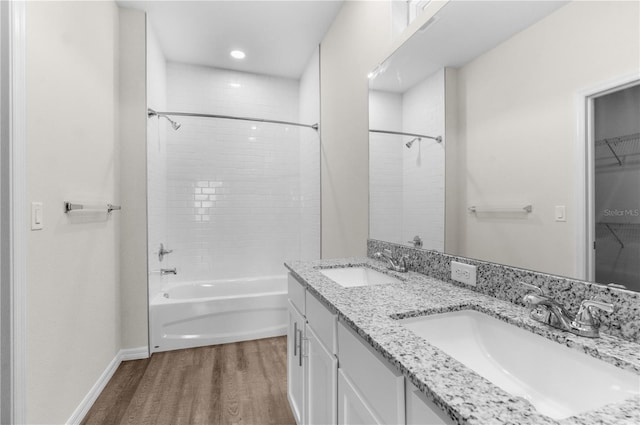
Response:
column 151, row 113
column 410, row 142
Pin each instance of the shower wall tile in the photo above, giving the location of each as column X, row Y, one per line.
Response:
column 235, row 199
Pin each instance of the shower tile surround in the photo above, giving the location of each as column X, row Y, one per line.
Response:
column 236, row 189
column 465, row 396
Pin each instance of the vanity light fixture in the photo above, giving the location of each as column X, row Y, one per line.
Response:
column 238, row 54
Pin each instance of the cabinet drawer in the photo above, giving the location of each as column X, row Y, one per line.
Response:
column 323, row 323
column 296, row 294
column 381, row 387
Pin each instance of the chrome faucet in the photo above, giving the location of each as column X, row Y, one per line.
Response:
column 396, row 264
column 546, row 310
column 172, row 271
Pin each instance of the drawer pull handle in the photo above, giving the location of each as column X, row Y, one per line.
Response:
column 295, row 339
column 300, row 346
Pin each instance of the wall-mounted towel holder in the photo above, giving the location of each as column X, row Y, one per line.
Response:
column 523, row 210
column 70, row 206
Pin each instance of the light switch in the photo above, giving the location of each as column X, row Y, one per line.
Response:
column 561, row 214
column 37, row 216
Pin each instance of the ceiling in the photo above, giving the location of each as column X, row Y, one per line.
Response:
column 278, row 37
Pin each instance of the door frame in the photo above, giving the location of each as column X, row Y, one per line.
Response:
column 13, row 212
column 585, row 181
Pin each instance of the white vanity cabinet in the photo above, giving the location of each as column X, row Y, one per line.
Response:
column 311, row 361
column 336, row 377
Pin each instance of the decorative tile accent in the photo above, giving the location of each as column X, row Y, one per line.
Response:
column 503, row 282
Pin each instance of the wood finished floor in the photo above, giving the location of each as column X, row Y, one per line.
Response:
column 240, row 383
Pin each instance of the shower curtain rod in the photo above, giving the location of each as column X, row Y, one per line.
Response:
column 401, row 133
column 151, row 112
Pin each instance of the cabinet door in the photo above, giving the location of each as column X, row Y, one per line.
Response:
column 380, row 386
column 422, row 411
column 295, row 365
column 321, row 382
column 352, row 408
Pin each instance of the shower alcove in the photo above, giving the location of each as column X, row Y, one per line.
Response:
column 231, row 198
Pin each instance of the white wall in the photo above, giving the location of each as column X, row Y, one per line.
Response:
column 309, row 104
column 518, row 115
column 357, row 40
column 156, row 161
column 132, row 178
column 73, row 305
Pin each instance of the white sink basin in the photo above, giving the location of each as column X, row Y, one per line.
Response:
column 357, row 276
column 558, row 381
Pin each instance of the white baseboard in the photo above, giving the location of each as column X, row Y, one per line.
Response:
column 134, row 353
column 123, row 355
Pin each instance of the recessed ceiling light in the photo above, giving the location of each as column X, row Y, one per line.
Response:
column 237, row 54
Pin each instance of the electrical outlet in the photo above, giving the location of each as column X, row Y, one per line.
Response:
column 464, row 273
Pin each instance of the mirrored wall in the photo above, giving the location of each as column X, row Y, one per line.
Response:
column 509, row 86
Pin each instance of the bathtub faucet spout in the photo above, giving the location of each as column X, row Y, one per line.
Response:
column 168, row 271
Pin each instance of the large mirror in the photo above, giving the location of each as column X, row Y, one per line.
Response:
column 537, row 105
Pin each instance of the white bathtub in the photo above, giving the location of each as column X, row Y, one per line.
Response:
column 196, row 314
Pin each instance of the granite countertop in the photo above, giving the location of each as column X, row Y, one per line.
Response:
column 465, row 395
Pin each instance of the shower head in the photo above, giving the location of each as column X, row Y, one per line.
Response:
column 410, row 142
column 151, row 113
column 174, row 124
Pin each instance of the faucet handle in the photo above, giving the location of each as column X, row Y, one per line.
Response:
column 585, row 322
column 533, row 299
column 608, row 307
column 538, row 290
column 587, row 305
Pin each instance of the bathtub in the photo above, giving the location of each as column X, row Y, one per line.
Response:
column 196, row 314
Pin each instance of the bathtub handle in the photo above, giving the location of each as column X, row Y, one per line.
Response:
column 162, row 252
